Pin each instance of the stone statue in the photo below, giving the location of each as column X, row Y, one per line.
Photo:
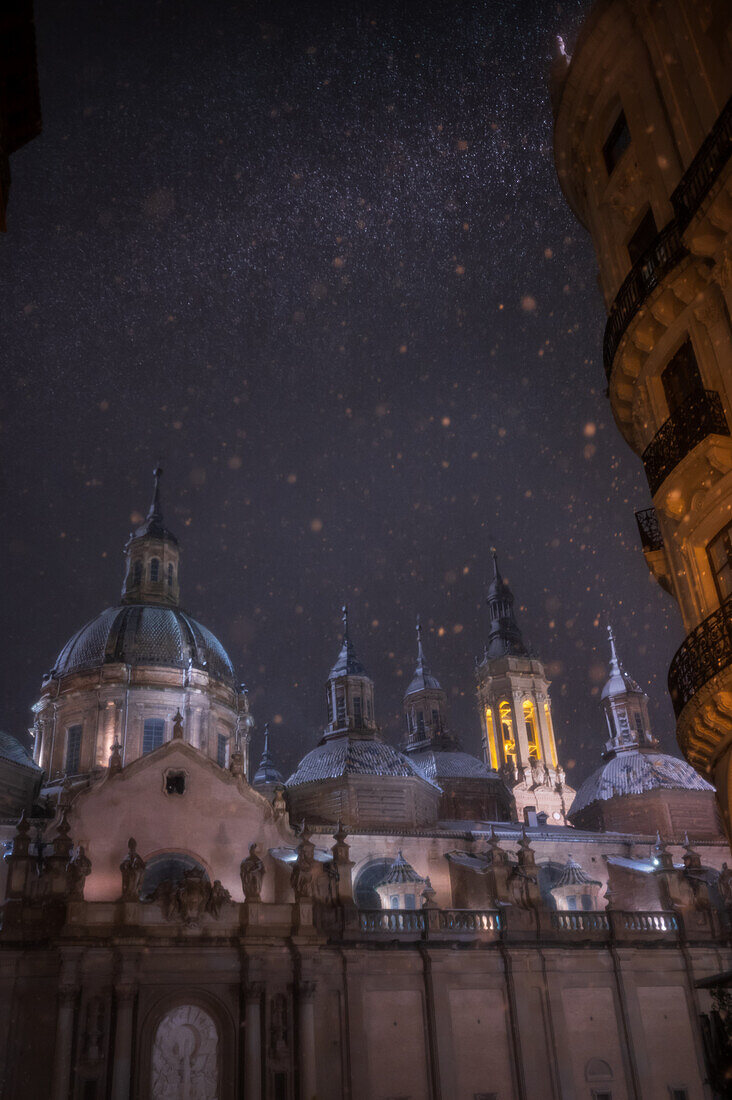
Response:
column 301, row 878
column 133, row 869
column 279, row 806
column 252, row 873
column 218, row 895
column 178, row 725
column 724, row 885
column 77, row 870
column 115, row 758
column 332, row 878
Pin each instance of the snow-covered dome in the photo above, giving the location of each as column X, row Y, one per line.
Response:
column 637, row 771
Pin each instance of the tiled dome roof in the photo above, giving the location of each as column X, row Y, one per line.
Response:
column 635, row 772
column 347, row 756
column 140, row 634
column 437, row 765
column 400, row 871
column 574, row 875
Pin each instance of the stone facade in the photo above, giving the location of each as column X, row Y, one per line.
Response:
column 169, row 930
column 643, row 118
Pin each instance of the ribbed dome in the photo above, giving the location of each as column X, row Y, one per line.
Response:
column 347, row 756
column 635, row 772
column 436, row 765
column 139, row 634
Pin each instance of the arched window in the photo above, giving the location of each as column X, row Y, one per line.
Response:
column 154, row 569
column 73, row 750
column 137, row 572
column 369, row 876
column 168, row 867
column 170, row 574
column 153, row 733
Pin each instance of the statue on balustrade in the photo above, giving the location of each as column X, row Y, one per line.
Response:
column 133, row 869
column 304, row 868
column 78, row 870
column 219, row 894
column 252, row 874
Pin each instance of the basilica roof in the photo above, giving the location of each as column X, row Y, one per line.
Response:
column 11, row 749
column 140, row 634
column 350, row 756
column 436, row 765
column 635, row 772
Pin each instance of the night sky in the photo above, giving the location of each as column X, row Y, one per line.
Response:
column 315, row 260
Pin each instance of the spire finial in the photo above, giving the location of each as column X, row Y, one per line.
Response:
column 154, row 510
column 420, row 652
column 614, row 662
column 266, row 739
column 344, row 614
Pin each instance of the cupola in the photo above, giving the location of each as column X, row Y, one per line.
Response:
column 504, row 637
column 424, row 704
column 626, row 707
column 152, row 559
column 349, row 693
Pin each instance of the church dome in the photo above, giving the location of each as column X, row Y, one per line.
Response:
column 435, row 764
column 351, row 756
column 139, row 634
column 637, row 771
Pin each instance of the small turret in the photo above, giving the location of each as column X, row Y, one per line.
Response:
column 424, row 705
column 626, row 708
column 152, row 558
column 267, row 774
column 349, row 693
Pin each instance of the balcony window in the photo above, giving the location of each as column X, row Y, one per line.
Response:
column 221, row 748
column 719, row 552
column 617, row 142
column 681, row 378
column 643, row 236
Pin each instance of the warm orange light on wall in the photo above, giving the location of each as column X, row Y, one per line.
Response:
column 550, row 730
column 491, row 738
column 509, row 743
column 532, row 731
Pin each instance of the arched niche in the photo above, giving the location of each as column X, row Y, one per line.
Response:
column 176, row 1028
column 372, row 872
column 598, row 1072
column 171, row 866
column 185, row 1062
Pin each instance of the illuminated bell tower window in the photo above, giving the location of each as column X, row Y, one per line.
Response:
column 719, row 552
column 509, row 743
column 491, row 735
column 531, row 731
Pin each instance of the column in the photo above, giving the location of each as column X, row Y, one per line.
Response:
column 253, row 1049
column 122, row 1065
column 64, row 1037
column 307, row 1041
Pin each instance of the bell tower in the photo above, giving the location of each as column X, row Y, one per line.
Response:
column 516, row 713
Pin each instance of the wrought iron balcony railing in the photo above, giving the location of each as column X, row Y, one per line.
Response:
column 668, row 249
column 700, row 415
column 649, row 530
column 698, row 178
column 645, row 275
column 704, row 653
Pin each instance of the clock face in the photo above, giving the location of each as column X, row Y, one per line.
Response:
column 557, row 816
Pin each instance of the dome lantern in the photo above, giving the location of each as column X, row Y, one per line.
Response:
column 152, row 558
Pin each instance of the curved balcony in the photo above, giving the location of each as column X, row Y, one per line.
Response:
column 668, row 248
column 646, row 274
column 701, row 415
column 706, row 652
column 649, row 530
